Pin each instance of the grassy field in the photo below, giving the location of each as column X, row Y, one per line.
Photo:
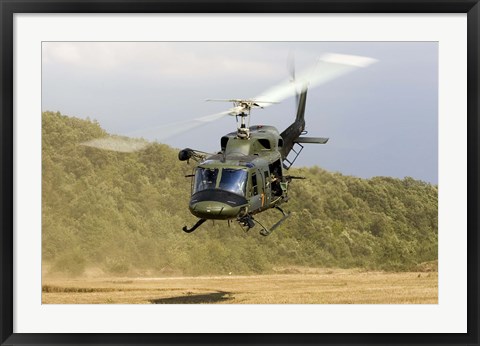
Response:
column 312, row 286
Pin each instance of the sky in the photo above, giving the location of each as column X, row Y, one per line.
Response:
column 382, row 120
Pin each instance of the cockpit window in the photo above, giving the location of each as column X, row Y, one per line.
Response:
column 205, row 178
column 233, row 180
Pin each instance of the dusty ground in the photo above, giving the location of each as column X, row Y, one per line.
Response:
column 321, row 286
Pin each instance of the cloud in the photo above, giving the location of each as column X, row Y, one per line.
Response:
column 157, row 59
column 80, row 54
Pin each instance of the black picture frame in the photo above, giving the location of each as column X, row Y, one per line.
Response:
column 10, row 7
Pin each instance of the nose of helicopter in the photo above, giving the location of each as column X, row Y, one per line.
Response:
column 214, row 210
column 216, row 204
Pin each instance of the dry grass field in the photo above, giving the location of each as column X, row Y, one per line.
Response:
column 292, row 286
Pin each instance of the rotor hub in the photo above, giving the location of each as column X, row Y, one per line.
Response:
column 243, row 132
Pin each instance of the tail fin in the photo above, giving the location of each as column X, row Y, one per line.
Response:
column 291, row 133
column 331, row 66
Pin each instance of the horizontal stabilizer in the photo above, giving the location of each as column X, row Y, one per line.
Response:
column 318, row 140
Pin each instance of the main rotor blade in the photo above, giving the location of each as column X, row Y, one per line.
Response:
column 172, row 129
column 291, row 71
column 291, row 65
column 128, row 145
column 328, row 67
column 117, row 143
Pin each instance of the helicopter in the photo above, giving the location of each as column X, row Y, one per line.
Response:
column 249, row 174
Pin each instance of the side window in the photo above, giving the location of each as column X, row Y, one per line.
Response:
column 254, row 184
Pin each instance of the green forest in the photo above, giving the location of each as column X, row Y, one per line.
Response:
column 124, row 213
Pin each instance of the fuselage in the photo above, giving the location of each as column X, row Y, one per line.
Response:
column 244, row 177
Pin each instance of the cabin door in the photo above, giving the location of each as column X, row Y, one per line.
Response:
column 258, row 199
column 267, row 189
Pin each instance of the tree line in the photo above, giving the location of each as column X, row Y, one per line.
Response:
column 124, row 213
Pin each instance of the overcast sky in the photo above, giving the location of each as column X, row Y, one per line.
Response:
column 382, row 120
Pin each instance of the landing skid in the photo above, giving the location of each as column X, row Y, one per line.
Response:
column 247, row 222
column 265, row 231
column 198, row 224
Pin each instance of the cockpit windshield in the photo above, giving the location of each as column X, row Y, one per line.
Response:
column 205, row 178
column 233, row 180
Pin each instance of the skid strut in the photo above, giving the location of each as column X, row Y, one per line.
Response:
column 198, row 224
column 264, row 231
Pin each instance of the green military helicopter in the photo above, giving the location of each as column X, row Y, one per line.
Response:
column 248, row 175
